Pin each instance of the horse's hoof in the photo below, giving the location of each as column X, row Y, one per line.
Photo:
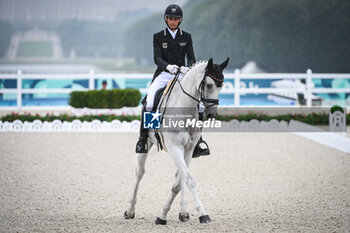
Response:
column 184, row 217
column 204, row 219
column 128, row 216
column 160, row 221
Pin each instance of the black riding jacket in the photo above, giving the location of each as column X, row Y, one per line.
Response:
column 172, row 51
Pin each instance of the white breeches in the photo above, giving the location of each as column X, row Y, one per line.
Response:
column 159, row 82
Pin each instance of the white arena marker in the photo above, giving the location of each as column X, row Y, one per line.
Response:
column 338, row 141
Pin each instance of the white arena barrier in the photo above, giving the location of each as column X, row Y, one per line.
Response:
column 74, row 126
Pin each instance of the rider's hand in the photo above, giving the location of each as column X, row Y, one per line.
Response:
column 172, row 69
column 184, row 69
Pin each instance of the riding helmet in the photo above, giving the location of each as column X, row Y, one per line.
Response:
column 173, row 10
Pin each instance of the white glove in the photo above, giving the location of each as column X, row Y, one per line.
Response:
column 172, row 68
column 184, row 69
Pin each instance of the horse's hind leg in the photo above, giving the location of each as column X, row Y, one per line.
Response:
column 140, row 171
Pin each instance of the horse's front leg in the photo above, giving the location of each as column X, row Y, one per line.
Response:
column 184, row 216
column 178, row 185
column 180, row 163
column 174, row 191
column 140, row 171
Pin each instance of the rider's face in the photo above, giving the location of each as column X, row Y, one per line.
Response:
column 173, row 22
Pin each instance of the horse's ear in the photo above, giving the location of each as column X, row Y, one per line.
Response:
column 210, row 65
column 224, row 64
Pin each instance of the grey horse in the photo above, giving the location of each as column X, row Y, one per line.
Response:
column 201, row 84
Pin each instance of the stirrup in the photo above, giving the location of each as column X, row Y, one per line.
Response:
column 198, row 151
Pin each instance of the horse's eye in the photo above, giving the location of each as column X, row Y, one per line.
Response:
column 209, row 85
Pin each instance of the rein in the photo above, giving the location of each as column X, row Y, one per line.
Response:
column 169, row 91
column 201, row 86
column 199, row 101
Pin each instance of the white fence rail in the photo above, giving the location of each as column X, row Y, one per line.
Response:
column 237, row 89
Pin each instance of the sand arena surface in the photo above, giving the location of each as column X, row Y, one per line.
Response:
column 252, row 182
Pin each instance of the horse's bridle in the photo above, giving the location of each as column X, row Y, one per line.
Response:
column 201, row 87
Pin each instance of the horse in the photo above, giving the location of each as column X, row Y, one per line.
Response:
column 201, row 84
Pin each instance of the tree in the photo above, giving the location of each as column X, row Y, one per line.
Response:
column 280, row 35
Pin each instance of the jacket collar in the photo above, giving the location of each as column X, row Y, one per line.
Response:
column 166, row 32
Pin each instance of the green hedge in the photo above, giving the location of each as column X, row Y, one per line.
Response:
column 335, row 108
column 116, row 98
column 312, row 119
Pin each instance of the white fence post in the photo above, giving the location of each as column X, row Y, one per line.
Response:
column 308, row 88
column 237, row 87
column 19, row 89
column 92, row 80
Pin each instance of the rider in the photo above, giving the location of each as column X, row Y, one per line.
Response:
column 170, row 45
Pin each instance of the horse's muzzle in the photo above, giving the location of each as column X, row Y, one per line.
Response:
column 211, row 112
column 211, row 115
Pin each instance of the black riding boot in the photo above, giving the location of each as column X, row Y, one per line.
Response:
column 198, row 150
column 142, row 145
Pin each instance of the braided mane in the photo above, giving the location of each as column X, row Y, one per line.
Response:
column 196, row 68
